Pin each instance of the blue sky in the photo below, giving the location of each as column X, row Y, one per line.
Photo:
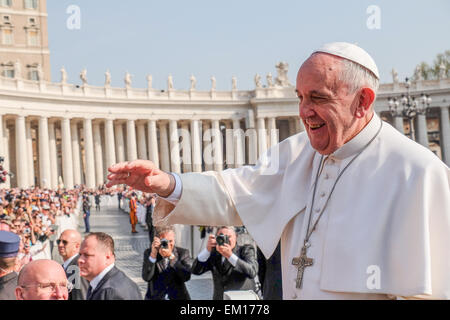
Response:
column 241, row 38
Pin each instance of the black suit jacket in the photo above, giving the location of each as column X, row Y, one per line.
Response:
column 115, row 285
column 225, row 276
column 269, row 274
column 73, row 275
column 170, row 281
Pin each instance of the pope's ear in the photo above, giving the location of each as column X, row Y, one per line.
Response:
column 366, row 99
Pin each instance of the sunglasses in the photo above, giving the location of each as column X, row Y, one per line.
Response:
column 65, row 242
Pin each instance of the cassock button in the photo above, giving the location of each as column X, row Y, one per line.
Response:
column 317, row 210
column 327, row 176
column 322, row 194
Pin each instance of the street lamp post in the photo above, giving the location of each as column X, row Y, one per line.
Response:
column 409, row 107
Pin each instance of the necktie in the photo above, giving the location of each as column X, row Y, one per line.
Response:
column 89, row 293
column 165, row 263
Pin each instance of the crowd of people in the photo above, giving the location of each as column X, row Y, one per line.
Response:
column 43, row 254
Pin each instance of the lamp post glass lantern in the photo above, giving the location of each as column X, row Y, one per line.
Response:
column 407, row 106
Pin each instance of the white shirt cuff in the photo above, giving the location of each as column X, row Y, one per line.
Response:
column 203, row 255
column 151, row 259
column 175, row 196
column 233, row 260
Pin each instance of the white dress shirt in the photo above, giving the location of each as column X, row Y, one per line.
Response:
column 94, row 283
column 204, row 255
column 68, row 261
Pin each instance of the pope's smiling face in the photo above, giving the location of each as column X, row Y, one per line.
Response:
column 327, row 109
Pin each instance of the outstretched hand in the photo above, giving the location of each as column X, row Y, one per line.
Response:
column 141, row 175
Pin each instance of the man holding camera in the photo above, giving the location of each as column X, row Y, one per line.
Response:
column 233, row 267
column 166, row 268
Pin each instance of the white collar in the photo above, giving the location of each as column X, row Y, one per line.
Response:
column 94, row 282
column 359, row 141
column 68, row 261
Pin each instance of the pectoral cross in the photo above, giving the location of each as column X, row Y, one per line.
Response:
column 301, row 262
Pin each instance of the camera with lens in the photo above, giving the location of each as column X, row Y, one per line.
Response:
column 164, row 243
column 221, row 239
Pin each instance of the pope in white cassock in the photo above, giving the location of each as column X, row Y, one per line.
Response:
column 362, row 211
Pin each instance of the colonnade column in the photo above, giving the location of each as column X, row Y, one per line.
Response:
column 89, row 154
column 196, row 148
column 422, row 131
column 207, row 147
column 229, row 145
column 131, row 141
column 75, row 153
column 165, row 157
column 4, row 136
column 273, row 132
column 142, row 146
column 217, row 146
column 153, row 143
column 445, row 134
column 53, row 155
column 98, row 155
column 110, row 149
column 174, row 147
column 21, row 153
column 262, row 137
column 67, row 159
column 30, row 155
column 398, row 124
column 239, row 146
column 44, row 154
column 120, row 144
column 186, row 147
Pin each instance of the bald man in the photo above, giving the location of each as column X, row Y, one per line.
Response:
column 69, row 247
column 42, row 280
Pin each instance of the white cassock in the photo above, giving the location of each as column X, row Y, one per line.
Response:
column 384, row 232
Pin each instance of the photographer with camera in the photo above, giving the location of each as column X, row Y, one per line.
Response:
column 233, row 267
column 166, row 267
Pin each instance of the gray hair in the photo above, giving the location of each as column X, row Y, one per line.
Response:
column 160, row 230
column 232, row 228
column 356, row 76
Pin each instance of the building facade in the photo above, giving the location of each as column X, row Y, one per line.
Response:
column 24, row 51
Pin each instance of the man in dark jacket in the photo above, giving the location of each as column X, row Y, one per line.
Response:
column 86, row 212
column 233, row 267
column 166, row 268
column 150, row 206
column 96, row 263
column 68, row 247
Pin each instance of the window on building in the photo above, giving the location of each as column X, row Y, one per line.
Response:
column 6, row 3
column 7, row 36
column 31, row 4
column 7, row 70
column 32, row 21
column 7, row 19
column 34, row 75
column 33, row 38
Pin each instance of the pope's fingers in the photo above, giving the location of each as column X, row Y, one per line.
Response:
column 116, row 182
column 140, row 166
column 114, row 176
column 118, row 167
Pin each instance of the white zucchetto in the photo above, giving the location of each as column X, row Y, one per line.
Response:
column 350, row 52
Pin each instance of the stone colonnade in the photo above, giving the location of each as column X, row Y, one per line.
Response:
column 52, row 152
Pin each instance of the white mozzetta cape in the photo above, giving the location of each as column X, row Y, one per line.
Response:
column 391, row 208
